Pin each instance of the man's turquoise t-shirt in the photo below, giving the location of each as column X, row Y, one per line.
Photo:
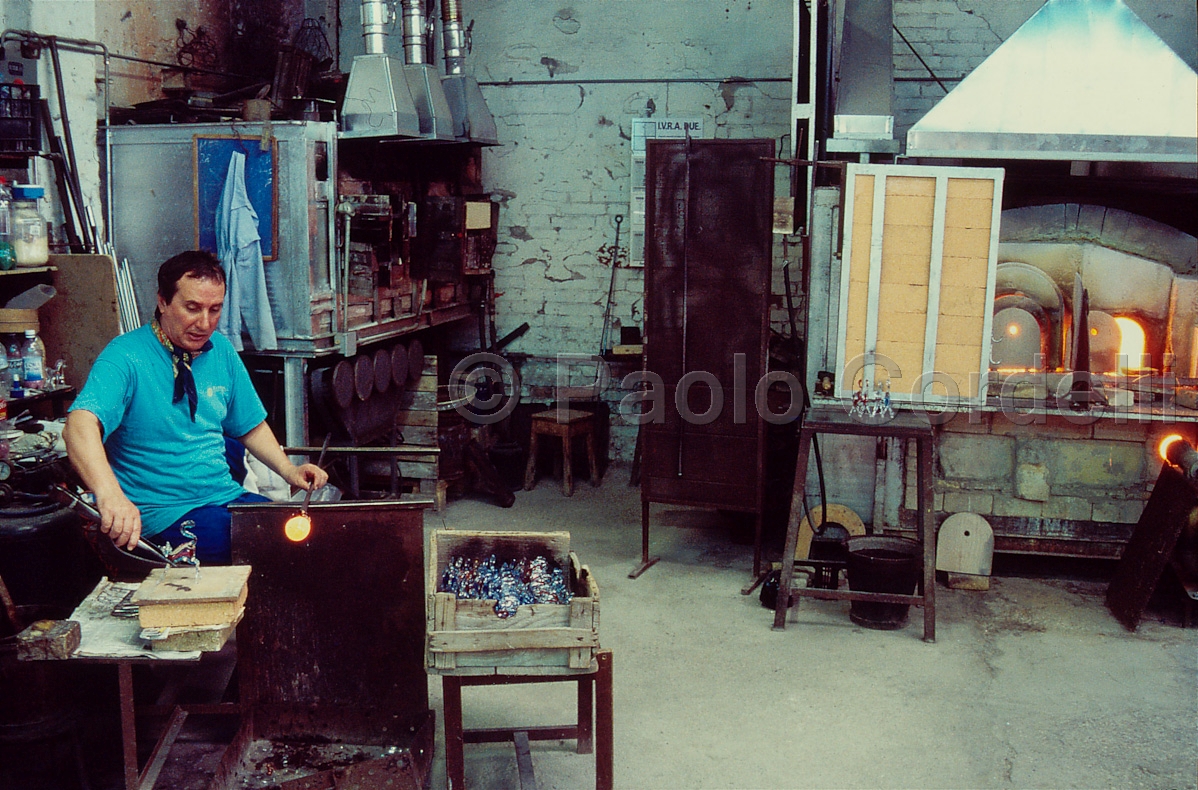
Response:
column 167, row 464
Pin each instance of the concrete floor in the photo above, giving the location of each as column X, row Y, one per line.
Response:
column 1031, row 684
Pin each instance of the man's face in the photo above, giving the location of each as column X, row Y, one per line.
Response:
column 191, row 316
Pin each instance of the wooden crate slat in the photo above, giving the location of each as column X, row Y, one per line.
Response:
column 511, row 639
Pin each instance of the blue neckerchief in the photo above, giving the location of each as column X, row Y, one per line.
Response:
column 185, row 383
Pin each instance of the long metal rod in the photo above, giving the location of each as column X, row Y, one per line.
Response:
column 686, row 216
column 636, row 81
column 73, row 174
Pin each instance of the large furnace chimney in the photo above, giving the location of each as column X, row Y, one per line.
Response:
column 386, row 97
column 377, row 101
column 436, row 121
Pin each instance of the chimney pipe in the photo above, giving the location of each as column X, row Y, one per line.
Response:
column 453, row 36
column 414, row 26
column 472, row 120
column 376, row 16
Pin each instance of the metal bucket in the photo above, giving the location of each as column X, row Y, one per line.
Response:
column 882, row 564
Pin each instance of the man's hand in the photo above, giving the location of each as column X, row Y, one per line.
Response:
column 120, row 519
column 309, row 477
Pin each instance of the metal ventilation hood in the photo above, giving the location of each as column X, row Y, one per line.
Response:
column 386, row 97
column 472, row 119
column 1082, row 80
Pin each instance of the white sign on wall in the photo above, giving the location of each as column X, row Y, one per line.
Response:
column 663, row 129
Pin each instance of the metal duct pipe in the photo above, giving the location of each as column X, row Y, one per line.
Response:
column 453, row 36
column 414, row 25
column 376, row 17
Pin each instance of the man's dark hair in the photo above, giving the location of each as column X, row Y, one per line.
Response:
column 195, row 263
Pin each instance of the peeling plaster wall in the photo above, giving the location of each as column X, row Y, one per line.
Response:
column 574, row 78
column 562, row 171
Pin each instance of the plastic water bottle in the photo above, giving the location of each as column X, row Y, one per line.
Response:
column 8, row 256
column 5, row 377
column 33, row 359
column 16, row 369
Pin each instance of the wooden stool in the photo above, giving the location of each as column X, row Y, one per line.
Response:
column 566, row 423
column 593, row 728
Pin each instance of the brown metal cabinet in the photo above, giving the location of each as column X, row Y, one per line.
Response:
column 707, row 284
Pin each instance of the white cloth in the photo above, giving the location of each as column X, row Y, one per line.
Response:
column 239, row 247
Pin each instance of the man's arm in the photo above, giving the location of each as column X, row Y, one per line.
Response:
column 263, row 445
column 120, row 518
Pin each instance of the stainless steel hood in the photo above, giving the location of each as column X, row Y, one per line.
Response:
column 472, row 119
column 386, row 97
column 1082, row 80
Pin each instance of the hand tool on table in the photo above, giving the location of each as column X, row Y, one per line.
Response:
column 90, row 514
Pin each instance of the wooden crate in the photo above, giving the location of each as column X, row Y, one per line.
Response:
column 416, row 422
column 466, row 637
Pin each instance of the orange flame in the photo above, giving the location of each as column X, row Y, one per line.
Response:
column 1163, row 447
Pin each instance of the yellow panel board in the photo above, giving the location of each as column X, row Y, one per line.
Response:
column 964, row 275
column 964, row 271
column 970, row 188
column 901, row 325
column 863, row 205
column 959, row 328
column 966, row 242
column 904, row 361
column 910, row 185
column 909, row 210
column 904, row 297
column 859, row 263
column 958, row 300
column 968, row 213
column 905, row 269
column 912, row 240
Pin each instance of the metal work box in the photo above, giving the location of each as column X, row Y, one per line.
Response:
column 167, row 179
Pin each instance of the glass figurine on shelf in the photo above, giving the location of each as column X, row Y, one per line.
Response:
column 871, row 402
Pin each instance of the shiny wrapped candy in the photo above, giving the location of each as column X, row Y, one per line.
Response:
column 510, row 584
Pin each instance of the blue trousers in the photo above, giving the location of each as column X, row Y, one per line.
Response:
column 212, row 528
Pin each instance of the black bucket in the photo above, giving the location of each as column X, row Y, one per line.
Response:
column 882, row 564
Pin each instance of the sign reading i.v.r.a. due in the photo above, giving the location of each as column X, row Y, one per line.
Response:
column 663, row 129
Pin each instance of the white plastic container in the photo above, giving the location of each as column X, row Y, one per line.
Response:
column 30, row 241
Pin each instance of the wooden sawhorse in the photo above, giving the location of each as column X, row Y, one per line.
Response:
column 596, row 737
column 905, row 425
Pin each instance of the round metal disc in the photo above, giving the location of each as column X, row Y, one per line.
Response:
column 415, row 360
column 382, row 370
column 399, row 365
column 343, row 383
column 363, row 376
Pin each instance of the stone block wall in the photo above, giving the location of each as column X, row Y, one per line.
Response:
column 1045, row 468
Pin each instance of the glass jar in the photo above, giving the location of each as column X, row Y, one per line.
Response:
column 30, row 242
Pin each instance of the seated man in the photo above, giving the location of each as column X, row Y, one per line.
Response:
column 147, row 432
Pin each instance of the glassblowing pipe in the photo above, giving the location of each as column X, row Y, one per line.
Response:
column 453, row 36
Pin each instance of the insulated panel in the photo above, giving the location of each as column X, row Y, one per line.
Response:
column 918, row 289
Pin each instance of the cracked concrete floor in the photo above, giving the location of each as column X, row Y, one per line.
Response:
column 1030, row 684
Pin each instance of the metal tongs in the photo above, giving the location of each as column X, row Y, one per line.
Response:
column 89, row 513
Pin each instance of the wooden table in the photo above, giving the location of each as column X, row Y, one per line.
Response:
column 904, row 425
column 108, row 639
column 596, row 737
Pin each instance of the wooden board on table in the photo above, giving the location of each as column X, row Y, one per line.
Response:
column 176, row 597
